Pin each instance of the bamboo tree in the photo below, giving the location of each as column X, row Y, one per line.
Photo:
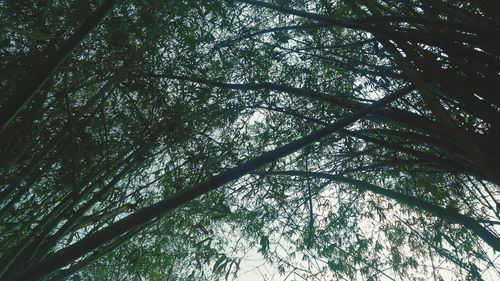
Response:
column 217, row 82
column 93, row 241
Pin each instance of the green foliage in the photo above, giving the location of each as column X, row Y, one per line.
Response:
column 163, row 95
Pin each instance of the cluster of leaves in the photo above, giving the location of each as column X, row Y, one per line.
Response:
column 162, row 95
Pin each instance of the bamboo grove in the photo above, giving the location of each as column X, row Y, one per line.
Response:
column 164, row 140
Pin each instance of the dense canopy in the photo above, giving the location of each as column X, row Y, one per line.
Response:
column 173, row 140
